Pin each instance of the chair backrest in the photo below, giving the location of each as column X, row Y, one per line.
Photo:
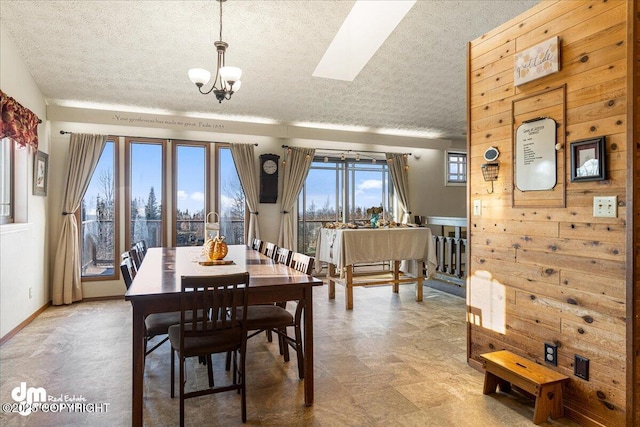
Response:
column 141, row 246
column 270, row 250
column 301, row 262
column 257, row 245
column 127, row 269
column 219, row 295
column 136, row 256
column 284, row 256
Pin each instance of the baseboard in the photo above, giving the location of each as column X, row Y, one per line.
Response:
column 24, row 323
column 105, row 298
column 475, row 365
column 580, row 418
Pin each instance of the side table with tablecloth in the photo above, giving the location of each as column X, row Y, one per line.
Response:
column 342, row 248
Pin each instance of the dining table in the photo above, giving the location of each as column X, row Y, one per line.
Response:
column 156, row 289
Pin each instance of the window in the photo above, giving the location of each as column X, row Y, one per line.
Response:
column 456, row 168
column 145, row 206
column 341, row 190
column 190, row 192
column 99, row 218
column 6, row 180
column 230, row 199
column 149, row 190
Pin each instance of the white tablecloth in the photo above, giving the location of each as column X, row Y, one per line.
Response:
column 345, row 247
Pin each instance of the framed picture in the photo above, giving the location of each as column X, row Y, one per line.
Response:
column 40, row 173
column 588, row 160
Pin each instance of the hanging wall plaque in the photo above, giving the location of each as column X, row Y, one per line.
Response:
column 535, row 155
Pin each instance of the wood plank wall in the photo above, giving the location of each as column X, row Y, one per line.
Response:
column 555, row 274
column 634, row 275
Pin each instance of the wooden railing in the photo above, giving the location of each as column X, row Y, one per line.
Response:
column 450, row 238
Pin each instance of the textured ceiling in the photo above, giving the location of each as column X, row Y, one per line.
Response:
column 134, row 55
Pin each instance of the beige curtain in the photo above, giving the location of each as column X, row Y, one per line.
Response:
column 400, row 179
column 245, row 165
column 295, row 172
column 84, row 153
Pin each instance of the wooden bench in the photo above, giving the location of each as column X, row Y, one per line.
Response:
column 504, row 368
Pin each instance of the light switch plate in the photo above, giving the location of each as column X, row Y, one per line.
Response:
column 605, row 207
column 477, row 207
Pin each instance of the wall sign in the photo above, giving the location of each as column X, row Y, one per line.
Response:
column 537, row 61
column 535, row 155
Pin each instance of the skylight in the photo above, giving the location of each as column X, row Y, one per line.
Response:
column 367, row 26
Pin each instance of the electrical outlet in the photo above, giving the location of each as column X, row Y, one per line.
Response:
column 30, row 294
column 605, row 207
column 551, row 354
column 477, row 207
column 581, row 367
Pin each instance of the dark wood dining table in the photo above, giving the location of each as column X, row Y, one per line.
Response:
column 156, row 289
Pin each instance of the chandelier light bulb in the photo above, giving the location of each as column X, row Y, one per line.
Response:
column 199, row 76
column 230, row 75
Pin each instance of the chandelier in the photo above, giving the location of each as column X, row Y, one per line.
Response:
column 227, row 80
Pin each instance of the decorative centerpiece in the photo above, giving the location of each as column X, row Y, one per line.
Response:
column 215, row 248
column 375, row 212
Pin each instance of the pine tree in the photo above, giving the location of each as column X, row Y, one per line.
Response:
column 151, row 209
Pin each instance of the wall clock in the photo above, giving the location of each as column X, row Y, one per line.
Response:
column 269, row 166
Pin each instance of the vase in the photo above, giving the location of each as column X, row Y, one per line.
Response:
column 374, row 220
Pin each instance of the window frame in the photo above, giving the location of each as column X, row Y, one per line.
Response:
column 127, row 177
column 447, row 163
column 174, row 183
column 10, row 218
column 116, row 217
column 345, row 170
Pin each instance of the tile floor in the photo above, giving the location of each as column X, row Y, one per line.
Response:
column 389, row 362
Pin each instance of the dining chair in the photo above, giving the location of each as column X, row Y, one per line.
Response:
column 301, row 262
column 270, row 250
column 130, row 266
column 275, row 318
column 127, row 269
column 142, row 244
column 136, row 256
column 257, row 245
column 226, row 298
column 284, row 256
column 141, row 249
column 155, row 324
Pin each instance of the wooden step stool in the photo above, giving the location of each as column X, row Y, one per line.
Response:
column 505, row 369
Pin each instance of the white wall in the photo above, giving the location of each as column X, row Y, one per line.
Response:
column 23, row 246
column 429, row 195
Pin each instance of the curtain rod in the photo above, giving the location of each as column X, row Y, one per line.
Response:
column 63, row 132
column 348, row 151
